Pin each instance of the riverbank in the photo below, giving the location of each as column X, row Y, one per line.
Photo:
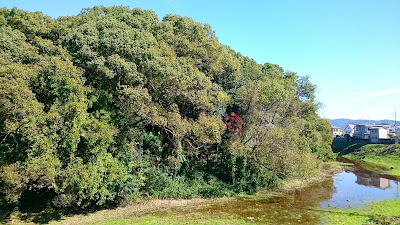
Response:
column 386, row 158
column 227, row 210
column 382, row 212
column 377, row 157
column 296, row 202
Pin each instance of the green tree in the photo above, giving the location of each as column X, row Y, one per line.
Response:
column 113, row 104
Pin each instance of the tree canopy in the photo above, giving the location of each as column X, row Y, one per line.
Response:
column 115, row 104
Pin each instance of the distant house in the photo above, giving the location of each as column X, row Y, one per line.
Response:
column 372, row 132
column 361, row 131
column 349, row 130
column 337, row 132
column 377, row 133
column 394, row 130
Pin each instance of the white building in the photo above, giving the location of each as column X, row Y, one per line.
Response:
column 349, row 130
column 377, row 133
column 337, row 132
column 361, row 131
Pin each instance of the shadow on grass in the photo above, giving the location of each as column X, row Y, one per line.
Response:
column 33, row 206
column 36, row 207
column 344, row 148
column 41, row 218
column 5, row 209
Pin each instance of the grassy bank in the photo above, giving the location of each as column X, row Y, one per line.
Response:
column 383, row 212
column 345, row 147
column 386, row 157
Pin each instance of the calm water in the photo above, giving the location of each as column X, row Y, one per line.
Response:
column 352, row 186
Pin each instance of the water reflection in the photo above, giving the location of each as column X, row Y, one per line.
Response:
column 372, row 179
column 350, row 187
column 356, row 185
column 297, row 207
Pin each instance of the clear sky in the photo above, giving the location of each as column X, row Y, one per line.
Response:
column 349, row 48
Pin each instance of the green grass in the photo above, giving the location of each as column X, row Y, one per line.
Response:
column 174, row 219
column 386, row 157
column 383, row 212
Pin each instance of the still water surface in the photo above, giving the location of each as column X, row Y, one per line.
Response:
column 350, row 187
column 355, row 185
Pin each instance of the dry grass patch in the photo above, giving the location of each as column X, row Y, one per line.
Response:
column 327, row 169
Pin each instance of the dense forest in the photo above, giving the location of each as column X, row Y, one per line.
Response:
column 114, row 105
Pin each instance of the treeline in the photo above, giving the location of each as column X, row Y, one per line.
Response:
column 114, row 105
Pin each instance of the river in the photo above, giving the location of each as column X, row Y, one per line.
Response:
column 351, row 187
column 355, row 185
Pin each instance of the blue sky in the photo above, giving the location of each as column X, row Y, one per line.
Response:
column 349, row 48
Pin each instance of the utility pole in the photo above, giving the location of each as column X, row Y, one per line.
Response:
column 395, row 121
column 395, row 127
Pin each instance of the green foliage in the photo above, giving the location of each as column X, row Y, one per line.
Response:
column 286, row 154
column 30, row 23
column 162, row 184
column 58, row 145
column 283, row 136
column 113, row 105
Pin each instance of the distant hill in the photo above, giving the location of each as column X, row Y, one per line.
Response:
column 342, row 123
